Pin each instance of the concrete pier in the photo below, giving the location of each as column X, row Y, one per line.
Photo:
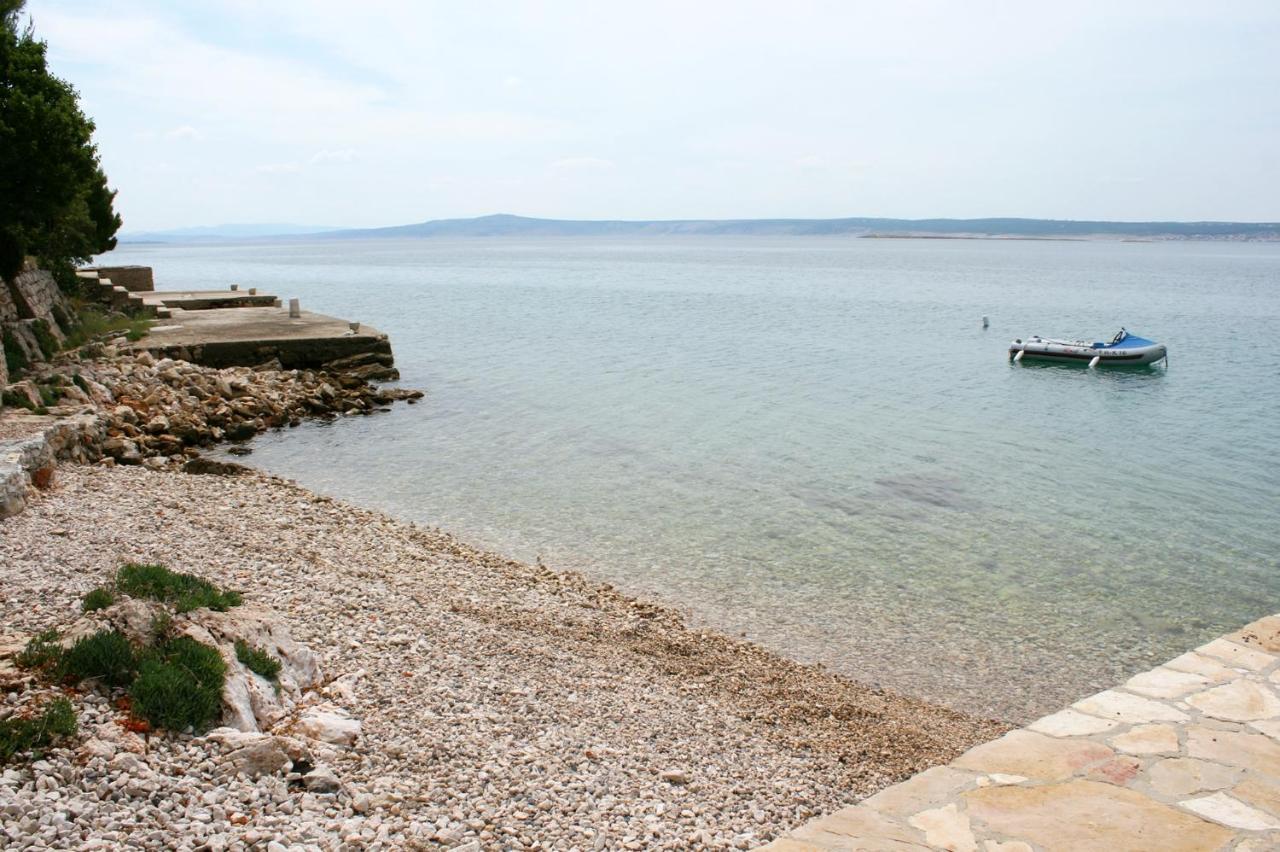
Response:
column 239, row 327
column 248, row 336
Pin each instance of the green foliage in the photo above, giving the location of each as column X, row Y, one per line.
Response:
column 35, row 734
column 15, row 357
column 99, row 598
column 185, row 591
column 91, row 323
column 161, row 627
column 138, row 329
column 54, row 199
column 42, row 652
column 18, row 400
column 44, row 338
column 106, row 656
column 180, row 686
column 257, row 660
column 80, row 382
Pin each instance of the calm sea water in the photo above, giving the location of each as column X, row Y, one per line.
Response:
column 812, row 441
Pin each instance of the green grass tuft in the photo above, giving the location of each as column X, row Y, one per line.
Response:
column 18, row 735
column 106, row 656
column 42, row 651
column 97, row 599
column 257, row 660
column 185, row 591
column 180, row 685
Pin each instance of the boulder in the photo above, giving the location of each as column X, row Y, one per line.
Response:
column 328, row 723
column 250, row 753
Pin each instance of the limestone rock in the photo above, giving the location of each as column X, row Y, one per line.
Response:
column 328, row 723
column 321, row 780
column 249, row 753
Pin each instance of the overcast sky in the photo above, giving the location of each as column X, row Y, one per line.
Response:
column 380, row 113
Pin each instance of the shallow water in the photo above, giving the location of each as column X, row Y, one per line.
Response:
column 814, row 443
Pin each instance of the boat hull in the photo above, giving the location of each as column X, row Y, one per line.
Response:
column 1075, row 354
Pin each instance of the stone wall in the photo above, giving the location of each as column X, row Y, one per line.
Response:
column 135, row 279
column 31, row 306
column 8, row 307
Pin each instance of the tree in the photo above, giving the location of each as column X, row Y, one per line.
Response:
column 54, row 199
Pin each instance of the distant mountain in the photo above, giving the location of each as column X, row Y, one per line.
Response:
column 222, row 232
column 505, row 225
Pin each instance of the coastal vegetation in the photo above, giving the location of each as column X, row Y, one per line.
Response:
column 54, row 200
column 257, row 660
column 171, row 681
column 36, row 733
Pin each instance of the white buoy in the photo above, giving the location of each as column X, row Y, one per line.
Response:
column 1018, row 357
column 985, row 321
column 1094, row 362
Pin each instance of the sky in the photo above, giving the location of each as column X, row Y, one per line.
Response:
column 384, row 113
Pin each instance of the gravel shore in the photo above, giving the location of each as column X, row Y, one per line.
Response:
column 504, row 705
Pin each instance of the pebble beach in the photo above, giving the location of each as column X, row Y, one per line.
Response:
column 504, row 705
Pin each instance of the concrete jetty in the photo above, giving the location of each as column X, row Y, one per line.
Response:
column 1183, row 757
column 248, row 336
column 240, row 327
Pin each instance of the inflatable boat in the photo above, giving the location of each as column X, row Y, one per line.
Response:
column 1125, row 349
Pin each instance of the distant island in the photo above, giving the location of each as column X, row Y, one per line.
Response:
column 505, row 225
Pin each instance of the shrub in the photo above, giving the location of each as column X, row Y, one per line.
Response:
column 138, row 328
column 106, row 656
column 37, row 733
column 180, row 687
column 44, row 337
column 15, row 357
column 97, row 599
column 185, row 591
column 14, row 399
column 60, row 316
column 257, row 660
column 41, row 652
column 92, row 323
column 81, row 383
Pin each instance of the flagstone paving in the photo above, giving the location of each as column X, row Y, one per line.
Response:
column 1183, row 757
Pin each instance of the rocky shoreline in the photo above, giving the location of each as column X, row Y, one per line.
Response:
column 502, row 705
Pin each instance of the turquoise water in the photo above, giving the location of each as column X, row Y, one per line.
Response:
column 813, row 442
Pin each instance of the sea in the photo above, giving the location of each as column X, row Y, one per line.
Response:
column 816, row 444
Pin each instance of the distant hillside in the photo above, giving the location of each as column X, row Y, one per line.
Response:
column 222, row 232
column 506, row 225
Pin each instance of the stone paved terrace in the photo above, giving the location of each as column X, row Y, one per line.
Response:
column 1183, row 757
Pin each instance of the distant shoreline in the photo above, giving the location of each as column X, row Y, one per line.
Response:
column 504, row 225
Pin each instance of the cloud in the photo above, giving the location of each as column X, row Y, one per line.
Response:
column 185, row 132
column 345, row 155
column 583, row 164
column 279, row 168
